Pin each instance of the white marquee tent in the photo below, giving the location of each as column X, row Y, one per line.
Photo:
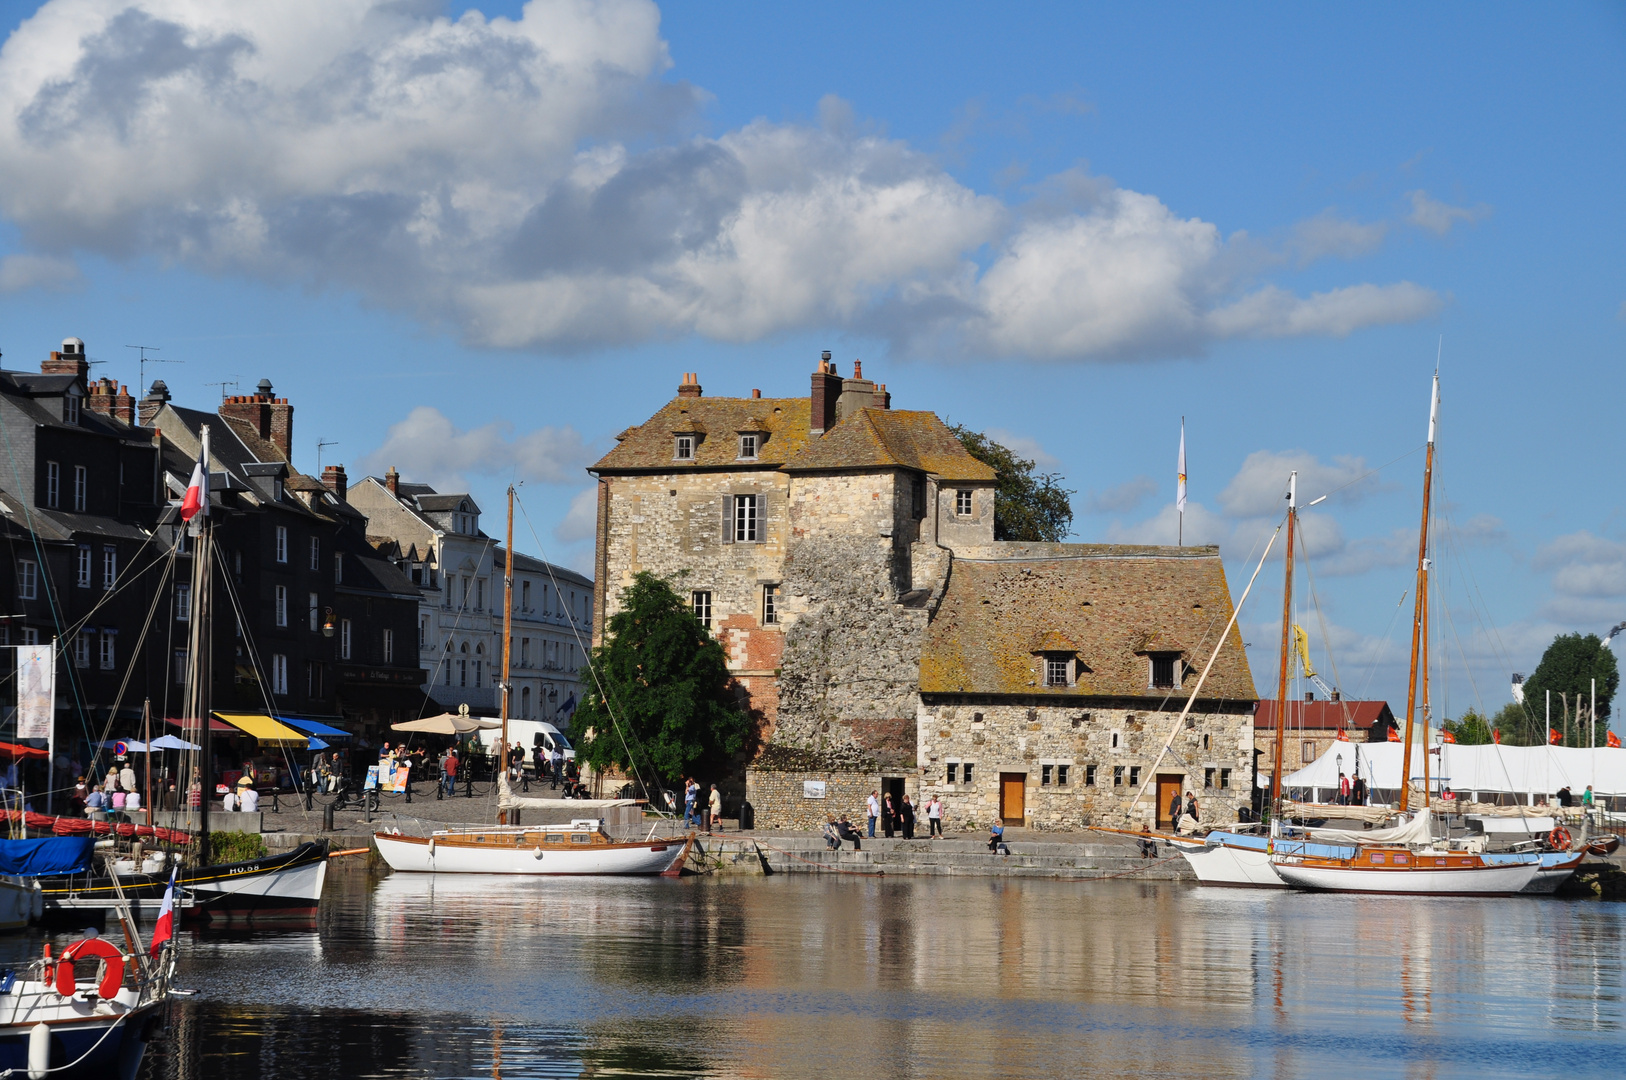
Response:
column 1475, row 771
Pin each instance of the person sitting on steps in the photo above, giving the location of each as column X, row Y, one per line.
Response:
column 996, row 838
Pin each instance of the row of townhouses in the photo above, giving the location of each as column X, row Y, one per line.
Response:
column 357, row 605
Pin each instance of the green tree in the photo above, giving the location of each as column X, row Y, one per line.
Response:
column 1027, row 505
column 1471, row 729
column 1567, row 670
column 671, row 709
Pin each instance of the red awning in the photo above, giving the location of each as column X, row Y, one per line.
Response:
column 191, row 725
column 12, row 750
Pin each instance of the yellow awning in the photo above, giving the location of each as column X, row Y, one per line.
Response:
column 268, row 730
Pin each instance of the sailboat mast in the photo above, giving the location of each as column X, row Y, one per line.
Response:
column 197, row 697
column 1287, row 635
column 507, row 641
column 1422, row 673
column 1420, row 612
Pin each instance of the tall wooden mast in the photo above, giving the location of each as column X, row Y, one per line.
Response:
column 1287, row 637
column 198, row 688
column 1420, row 611
column 507, row 642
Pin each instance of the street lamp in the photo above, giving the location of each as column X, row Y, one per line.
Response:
column 1339, row 758
column 327, row 622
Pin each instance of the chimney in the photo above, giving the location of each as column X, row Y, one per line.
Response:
column 334, row 480
column 826, row 392
column 755, row 393
column 858, row 369
column 157, row 397
column 70, row 361
column 883, row 400
column 1309, row 695
column 1337, row 695
column 392, row 482
column 110, row 399
column 272, row 418
column 690, row 386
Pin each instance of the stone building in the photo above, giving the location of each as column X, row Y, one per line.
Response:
column 822, row 538
column 1313, row 725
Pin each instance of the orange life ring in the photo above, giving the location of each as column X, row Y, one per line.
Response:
column 1559, row 838
column 99, row 948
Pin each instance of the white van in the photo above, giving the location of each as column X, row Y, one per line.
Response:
column 528, row 733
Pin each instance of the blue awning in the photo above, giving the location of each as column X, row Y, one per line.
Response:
column 315, row 727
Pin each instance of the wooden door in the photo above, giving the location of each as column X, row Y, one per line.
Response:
column 1013, row 788
column 1168, row 786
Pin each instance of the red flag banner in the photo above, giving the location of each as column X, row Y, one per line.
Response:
column 164, row 928
column 1554, row 737
column 1448, row 737
column 1496, row 735
column 1394, row 736
column 1612, row 739
column 1343, row 736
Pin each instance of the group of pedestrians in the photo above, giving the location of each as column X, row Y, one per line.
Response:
column 1189, row 810
column 1351, row 793
column 900, row 817
column 703, row 808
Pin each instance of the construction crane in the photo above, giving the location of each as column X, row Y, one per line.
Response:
column 1301, row 642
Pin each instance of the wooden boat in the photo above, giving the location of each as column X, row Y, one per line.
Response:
column 282, row 888
column 581, row 848
column 1402, row 870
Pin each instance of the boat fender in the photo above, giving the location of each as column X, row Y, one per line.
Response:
column 537, row 852
column 97, row 947
column 1559, row 838
column 39, row 1051
column 431, row 847
column 37, row 905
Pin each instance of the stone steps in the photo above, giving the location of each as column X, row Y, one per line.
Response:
column 808, row 854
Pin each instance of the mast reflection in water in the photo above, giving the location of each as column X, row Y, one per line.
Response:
column 802, row 976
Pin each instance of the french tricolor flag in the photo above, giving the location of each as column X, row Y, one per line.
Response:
column 165, row 927
column 197, row 490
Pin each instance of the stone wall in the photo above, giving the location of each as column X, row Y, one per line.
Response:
column 779, row 802
column 850, row 669
column 1119, row 740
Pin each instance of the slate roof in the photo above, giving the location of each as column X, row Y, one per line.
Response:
column 1106, row 601
column 649, row 446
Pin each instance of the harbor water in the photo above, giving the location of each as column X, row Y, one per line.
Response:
column 833, row 976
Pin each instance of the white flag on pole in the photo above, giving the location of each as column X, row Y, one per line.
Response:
column 1180, row 472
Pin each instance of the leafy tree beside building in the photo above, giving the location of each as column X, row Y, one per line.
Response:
column 670, row 708
column 1567, row 671
column 1027, row 505
column 1471, row 729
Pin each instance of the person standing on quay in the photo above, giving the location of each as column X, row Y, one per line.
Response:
column 1191, row 805
column 874, row 811
column 714, row 810
column 1174, row 810
column 934, row 817
column 889, row 816
column 906, row 815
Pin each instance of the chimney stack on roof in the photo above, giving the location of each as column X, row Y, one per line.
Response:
column 755, row 393
column 157, row 397
column 1309, row 695
column 69, row 361
column 690, row 386
column 110, row 399
column 334, row 480
column 272, row 418
column 826, row 392
column 392, row 482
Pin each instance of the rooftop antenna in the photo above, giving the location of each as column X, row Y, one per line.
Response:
column 141, row 365
column 321, row 444
column 225, row 383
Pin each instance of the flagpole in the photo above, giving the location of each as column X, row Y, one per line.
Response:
column 1180, row 489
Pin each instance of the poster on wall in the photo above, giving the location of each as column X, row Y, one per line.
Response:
column 36, row 691
column 812, row 789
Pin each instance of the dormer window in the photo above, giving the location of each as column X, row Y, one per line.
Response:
column 1058, row 670
column 962, row 502
column 1163, row 669
column 748, row 447
column 70, row 409
column 683, row 448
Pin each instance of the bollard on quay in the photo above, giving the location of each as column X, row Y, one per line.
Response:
column 327, row 817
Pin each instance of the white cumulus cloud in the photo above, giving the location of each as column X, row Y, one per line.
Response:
column 1259, row 488
column 427, row 447
column 538, row 182
column 1438, row 217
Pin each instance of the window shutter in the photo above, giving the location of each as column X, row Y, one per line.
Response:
column 728, row 519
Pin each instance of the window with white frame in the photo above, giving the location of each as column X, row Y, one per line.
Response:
column 282, row 543
column 183, row 601
column 683, row 448
column 281, row 606
column 770, row 605
column 389, row 646
column 53, row 484
column 344, row 639
column 744, row 519
column 700, row 601
column 313, row 679
column 316, row 612
column 27, row 579
column 279, row 673
column 109, row 657
column 81, row 650
column 110, row 565
column 70, row 408
column 962, row 502
column 83, row 567
column 423, row 631
column 748, row 447
column 180, row 666
column 31, row 635
column 316, row 553
column 81, row 488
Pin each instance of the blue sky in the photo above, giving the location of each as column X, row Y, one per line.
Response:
column 476, row 241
